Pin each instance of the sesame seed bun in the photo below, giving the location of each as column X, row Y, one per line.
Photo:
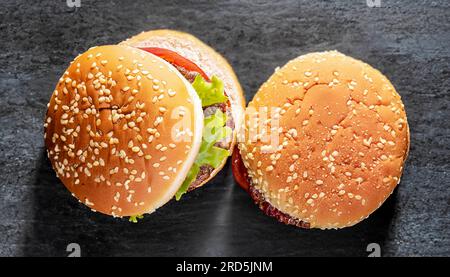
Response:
column 109, row 130
column 343, row 140
column 211, row 62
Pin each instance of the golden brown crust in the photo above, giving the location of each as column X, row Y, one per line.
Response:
column 109, row 130
column 206, row 58
column 342, row 145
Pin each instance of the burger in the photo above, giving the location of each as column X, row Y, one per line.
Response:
column 323, row 142
column 130, row 126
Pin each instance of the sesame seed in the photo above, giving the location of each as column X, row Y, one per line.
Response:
column 87, row 172
column 87, row 202
column 171, row 93
column 130, row 144
column 367, row 142
column 158, row 120
column 117, row 197
column 319, row 182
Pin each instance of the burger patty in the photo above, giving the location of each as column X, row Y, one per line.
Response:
column 203, row 174
column 206, row 170
column 271, row 211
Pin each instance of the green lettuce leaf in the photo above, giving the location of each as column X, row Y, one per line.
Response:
column 209, row 92
column 134, row 218
column 214, row 130
column 188, row 181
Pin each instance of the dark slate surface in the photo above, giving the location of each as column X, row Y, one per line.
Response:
column 407, row 40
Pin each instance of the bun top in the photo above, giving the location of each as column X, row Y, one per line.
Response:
column 123, row 128
column 342, row 137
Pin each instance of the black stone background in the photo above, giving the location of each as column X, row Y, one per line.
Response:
column 406, row 40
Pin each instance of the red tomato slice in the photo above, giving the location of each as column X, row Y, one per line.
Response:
column 239, row 171
column 176, row 59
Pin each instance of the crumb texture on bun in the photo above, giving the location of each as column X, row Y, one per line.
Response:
column 343, row 139
column 112, row 134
